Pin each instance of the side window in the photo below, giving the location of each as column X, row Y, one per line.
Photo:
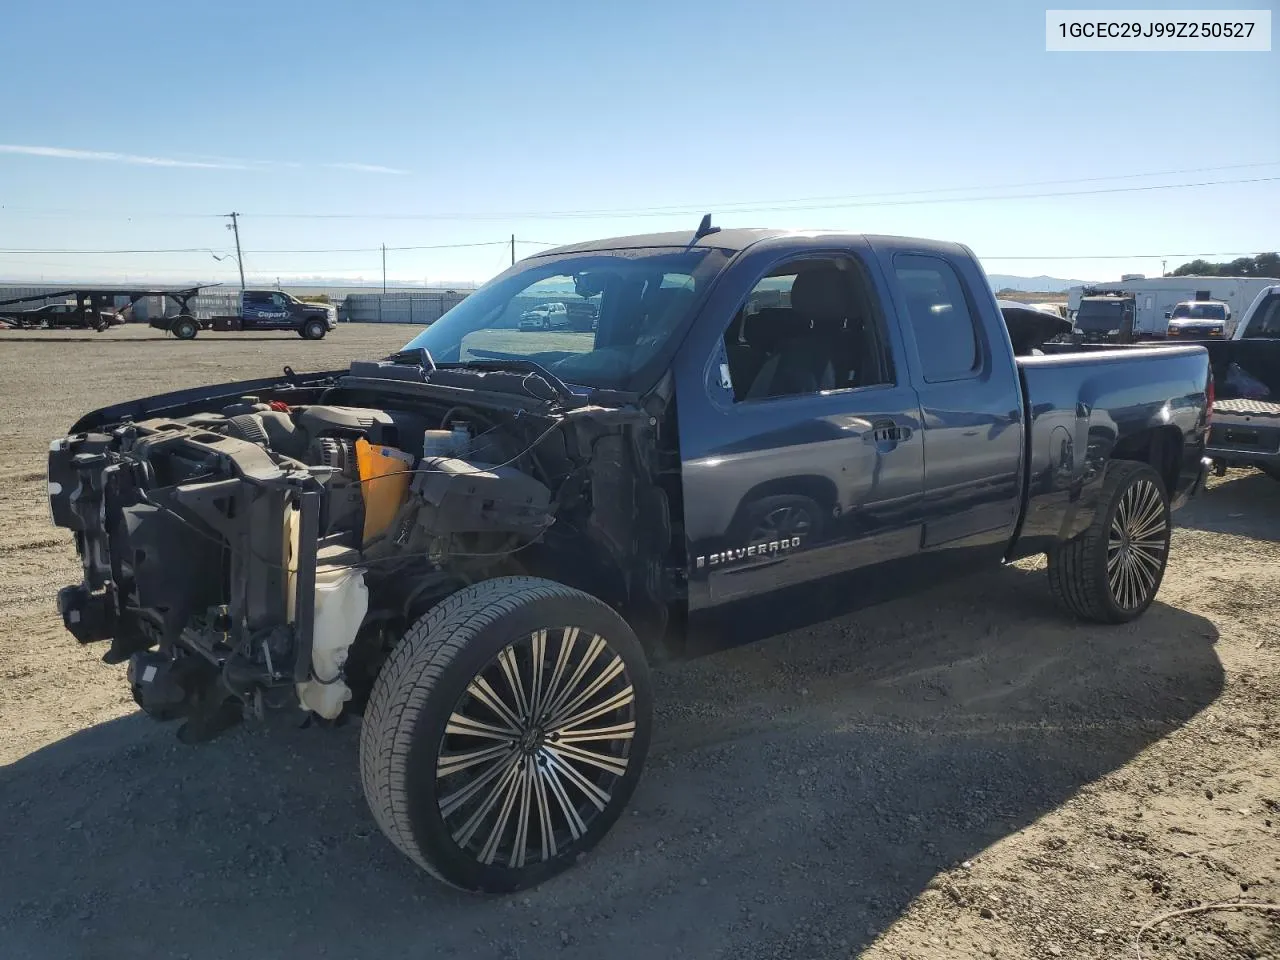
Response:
column 938, row 311
column 253, row 298
column 1266, row 321
column 278, row 300
column 808, row 326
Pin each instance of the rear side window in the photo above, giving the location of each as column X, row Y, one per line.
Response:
column 938, row 311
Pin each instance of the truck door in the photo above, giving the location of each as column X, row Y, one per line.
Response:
column 800, row 434
column 970, row 399
column 255, row 309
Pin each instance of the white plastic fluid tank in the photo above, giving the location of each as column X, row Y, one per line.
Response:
column 342, row 599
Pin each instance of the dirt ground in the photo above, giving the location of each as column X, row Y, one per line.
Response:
column 960, row 773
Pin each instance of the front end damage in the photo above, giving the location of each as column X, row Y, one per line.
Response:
column 248, row 553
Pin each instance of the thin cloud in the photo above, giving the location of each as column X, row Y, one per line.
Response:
column 195, row 162
column 366, row 168
column 108, row 156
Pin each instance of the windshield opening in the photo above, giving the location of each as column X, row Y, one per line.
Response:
column 597, row 319
column 1199, row 311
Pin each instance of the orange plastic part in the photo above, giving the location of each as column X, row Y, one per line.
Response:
column 384, row 481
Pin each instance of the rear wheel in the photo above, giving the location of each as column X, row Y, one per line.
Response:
column 506, row 733
column 185, row 328
column 314, row 330
column 1112, row 571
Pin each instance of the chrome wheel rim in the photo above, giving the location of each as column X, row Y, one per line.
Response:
column 535, row 748
column 1136, row 545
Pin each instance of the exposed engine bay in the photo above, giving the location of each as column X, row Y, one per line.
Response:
column 266, row 553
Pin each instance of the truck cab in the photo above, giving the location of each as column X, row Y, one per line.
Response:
column 1106, row 318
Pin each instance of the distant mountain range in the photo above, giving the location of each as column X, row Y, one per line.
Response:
column 1041, row 284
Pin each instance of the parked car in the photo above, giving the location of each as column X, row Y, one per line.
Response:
column 545, row 316
column 259, row 310
column 62, row 316
column 1198, row 319
column 550, row 517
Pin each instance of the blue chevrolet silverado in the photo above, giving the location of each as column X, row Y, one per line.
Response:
column 478, row 543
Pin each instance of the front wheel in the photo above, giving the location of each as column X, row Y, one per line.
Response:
column 506, row 733
column 1111, row 572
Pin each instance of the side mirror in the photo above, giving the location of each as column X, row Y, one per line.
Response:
column 1168, row 314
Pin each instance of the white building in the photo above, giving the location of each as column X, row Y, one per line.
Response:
column 1157, row 296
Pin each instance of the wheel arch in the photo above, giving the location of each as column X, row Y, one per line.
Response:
column 1159, row 447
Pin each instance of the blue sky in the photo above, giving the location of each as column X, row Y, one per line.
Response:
column 151, row 118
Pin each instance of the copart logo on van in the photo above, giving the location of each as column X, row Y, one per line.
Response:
column 766, row 549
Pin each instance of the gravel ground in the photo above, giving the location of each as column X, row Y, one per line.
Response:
column 960, row 773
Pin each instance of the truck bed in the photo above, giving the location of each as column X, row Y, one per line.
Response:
column 1081, row 405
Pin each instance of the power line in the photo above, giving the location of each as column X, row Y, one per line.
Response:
column 729, row 207
column 1124, row 256
column 437, row 246
column 838, row 201
column 791, row 205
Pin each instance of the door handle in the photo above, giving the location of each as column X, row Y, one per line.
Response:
column 886, row 431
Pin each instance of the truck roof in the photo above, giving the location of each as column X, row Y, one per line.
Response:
column 731, row 240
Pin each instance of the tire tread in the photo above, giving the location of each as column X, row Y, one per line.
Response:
column 408, row 679
column 1075, row 571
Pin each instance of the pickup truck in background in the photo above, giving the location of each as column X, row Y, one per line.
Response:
column 478, row 543
column 1246, row 371
column 259, row 310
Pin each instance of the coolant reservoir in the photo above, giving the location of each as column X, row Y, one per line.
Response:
column 342, row 599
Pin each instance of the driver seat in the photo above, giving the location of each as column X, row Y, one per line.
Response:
column 802, row 341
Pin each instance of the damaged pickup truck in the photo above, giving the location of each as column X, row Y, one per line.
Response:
column 479, row 543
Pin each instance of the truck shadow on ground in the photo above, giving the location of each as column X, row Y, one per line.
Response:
column 1242, row 503
column 801, row 793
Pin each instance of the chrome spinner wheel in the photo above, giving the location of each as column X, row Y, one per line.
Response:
column 506, row 732
column 1137, row 545
column 534, row 748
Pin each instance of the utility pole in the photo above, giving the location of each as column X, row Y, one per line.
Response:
column 384, row 269
column 1163, row 264
column 513, row 249
column 235, row 227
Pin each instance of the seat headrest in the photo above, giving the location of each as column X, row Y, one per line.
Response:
column 821, row 295
column 768, row 327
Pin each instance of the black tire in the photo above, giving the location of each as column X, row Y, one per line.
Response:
column 423, row 695
column 1112, row 571
column 185, row 328
column 1271, row 470
column 313, row 330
